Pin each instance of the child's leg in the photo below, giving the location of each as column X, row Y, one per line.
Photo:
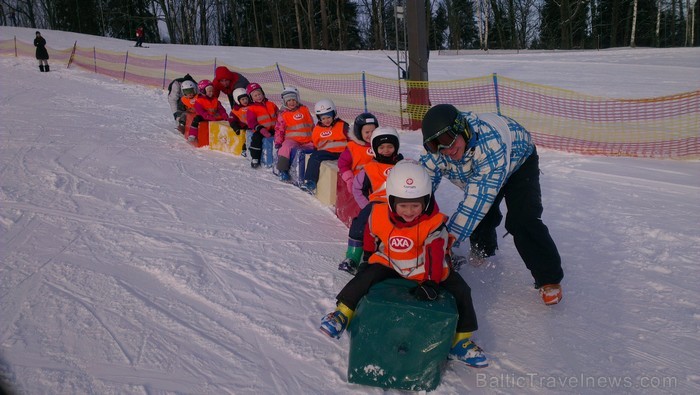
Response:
column 357, row 227
column 455, row 284
column 194, row 127
column 313, row 166
column 256, row 146
column 358, row 287
column 284, row 153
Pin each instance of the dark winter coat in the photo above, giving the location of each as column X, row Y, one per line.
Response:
column 41, row 52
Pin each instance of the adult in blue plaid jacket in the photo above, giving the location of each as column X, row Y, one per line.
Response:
column 492, row 157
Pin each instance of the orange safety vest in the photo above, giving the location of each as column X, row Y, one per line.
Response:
column 266, row 113
column 189, row 103
column 210, row 105
column 299, row 125
column 377, row 174
column 240, row 113
column 331, row 139
column 361, row 155
column 403, row 249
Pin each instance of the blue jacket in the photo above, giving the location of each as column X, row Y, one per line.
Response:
column 483, row 170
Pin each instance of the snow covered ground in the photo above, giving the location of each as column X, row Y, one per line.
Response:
column 133, row 263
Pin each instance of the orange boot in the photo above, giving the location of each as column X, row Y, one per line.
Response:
column 551, row 294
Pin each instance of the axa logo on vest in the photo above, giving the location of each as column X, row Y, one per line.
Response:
column 400, row 243
column 370, row 152
column 387, row 171
column 326, row 133
column 298, row 116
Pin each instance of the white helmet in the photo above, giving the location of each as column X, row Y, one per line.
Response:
column 382, row 135
column 237, row 94
column 408, row 180
column 187, row 84
column 290, row 93
column 325, row 107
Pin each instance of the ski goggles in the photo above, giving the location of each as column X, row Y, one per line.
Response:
column 443, row 139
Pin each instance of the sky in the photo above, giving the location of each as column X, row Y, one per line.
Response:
column 135, row 263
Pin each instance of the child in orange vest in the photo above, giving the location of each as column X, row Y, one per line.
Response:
column 359, row 150
column 292, row 131
column 207, row 107
column 411, row 213
column 261, row 119
column 239, row 112
column 330, row 137
column 368, row 188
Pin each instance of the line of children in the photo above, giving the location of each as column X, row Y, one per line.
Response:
column 330, row 137
column 368, row 189
column 261, row 119
column 207, row 107
column 292, row 131
column 410, row 212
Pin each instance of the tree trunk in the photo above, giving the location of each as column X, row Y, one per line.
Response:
column 312, row 26
column 634, row 25
column 341, row 28
column 658, row 23
column 324, row 25
column 298, row 20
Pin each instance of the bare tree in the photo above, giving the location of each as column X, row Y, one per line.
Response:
column 634, row 25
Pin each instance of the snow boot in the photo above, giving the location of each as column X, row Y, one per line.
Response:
column 335, row 323
column 353, row 255
column 47, row 68
column 468, row 352
column 551, row 294
column 255, row 163
column 308, row 186
column 192, row 139
column 284, row 176
column 41, row 68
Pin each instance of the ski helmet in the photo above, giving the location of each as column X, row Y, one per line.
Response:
column 290, row 93
column 439, row 120
column 363, row 119
column 238, row 93
column 325, row 107
column 383, row 135
column 252, row 87
column 408, row 180
column 203, row 84
column 188, row 85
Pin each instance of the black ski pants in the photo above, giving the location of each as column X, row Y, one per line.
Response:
column 531, row 236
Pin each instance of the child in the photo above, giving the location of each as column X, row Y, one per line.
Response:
column 330, row 137
column 368, row 188
column 239, row 111
column 411, row 213
column 358, row 152
column 187, row 101
column 261, row 119
column 207, row 107
column 293, row 130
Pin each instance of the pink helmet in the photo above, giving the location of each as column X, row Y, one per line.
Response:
column 253, row 86
column 203, row 84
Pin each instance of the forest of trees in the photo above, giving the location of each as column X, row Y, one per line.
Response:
column 371, row 24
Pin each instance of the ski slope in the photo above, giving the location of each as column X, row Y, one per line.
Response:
column 133, row 263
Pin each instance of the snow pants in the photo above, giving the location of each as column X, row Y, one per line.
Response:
column 313, row 166
column 531, row 236
column 359, row 286
column 256, row 143
column 285, row 152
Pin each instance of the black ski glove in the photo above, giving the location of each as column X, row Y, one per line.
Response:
column 427, row 290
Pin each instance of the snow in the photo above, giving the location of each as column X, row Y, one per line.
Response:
column 133, row 263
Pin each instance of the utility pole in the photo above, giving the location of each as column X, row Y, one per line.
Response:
column 418, row 93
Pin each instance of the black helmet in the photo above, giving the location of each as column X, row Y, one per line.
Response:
column 363, row 119
column 441, row 119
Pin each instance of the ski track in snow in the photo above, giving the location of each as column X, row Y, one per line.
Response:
column 133, row 263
